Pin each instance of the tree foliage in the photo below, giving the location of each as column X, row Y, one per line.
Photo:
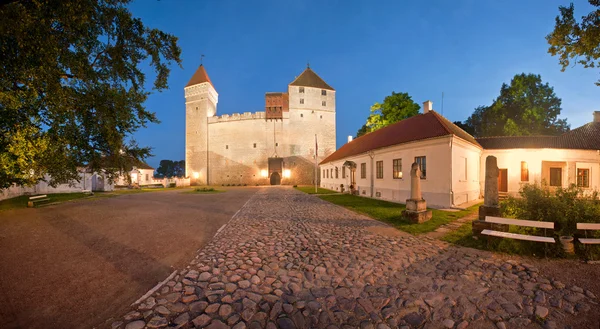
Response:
column 525, row 107
column 395, row 107
column 72, row 87
column 170, row 168
column 577, row 42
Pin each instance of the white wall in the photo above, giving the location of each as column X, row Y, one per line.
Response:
column 85, row 183
column 465, row 168
column 510, row 159
column 437, row 188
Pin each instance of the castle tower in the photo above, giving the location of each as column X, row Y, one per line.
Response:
column 201, row 100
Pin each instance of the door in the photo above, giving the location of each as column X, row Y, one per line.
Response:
column 503, row 180
column 275, row 178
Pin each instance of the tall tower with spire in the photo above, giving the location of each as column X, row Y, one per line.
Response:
column 201, row 100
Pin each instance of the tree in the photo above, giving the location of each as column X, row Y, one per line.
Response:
column 395, row 107
column 464, row 127
column 525, row 107
column 72, row 88
column 576, row 41
column 169, row 168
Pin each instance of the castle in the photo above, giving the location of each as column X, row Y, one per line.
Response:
column 273, row 147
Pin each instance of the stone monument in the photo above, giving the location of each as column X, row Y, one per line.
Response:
column 491, row 204
column 416, row 207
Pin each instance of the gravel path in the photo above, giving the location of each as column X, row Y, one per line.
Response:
column 290, row 260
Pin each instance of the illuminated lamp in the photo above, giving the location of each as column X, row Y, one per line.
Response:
column 264, row 173
column 196, row 174
column 287, row 173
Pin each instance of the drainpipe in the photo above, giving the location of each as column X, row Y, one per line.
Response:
column 372, row 155
column 452, row 172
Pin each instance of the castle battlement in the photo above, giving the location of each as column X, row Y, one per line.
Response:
column 237, row 117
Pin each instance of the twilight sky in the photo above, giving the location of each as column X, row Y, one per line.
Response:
column 363, row 49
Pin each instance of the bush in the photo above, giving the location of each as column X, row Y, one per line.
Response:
column 295, row 185
column 172, row 185
column 565, row 207
column 204, row 189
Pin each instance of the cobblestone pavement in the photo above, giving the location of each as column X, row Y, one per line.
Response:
column 289, row 260
column 452, row 226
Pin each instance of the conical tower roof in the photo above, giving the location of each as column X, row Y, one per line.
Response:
column 309, row 78
column 199, row 77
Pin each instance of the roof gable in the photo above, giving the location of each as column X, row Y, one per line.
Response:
column 309, row 78
column 416, row 128
column 199, row 77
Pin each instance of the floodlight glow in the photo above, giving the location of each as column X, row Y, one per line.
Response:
column 196, row 174
column 264, row 173
column 287, row 173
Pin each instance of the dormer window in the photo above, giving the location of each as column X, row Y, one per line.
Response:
column 323, row 92
column 302, row 90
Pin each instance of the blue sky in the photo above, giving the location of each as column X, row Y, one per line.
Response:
column 365, row 50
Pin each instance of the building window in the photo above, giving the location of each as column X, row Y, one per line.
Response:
column 301, row 100
column 324, row 92
column 422, row 162
column 343, row 172
column 301, row 115
column 363, row 170
column 583, row 177
column 301, row 90
column 524, row 171
column 321, row 117
column 324, row 103
column 227, row 147
column 397, row 168
column 555, row 176
column 379, row 166
column 254, row 145
column 276, row 144
column 146, row 176
column 337, row 173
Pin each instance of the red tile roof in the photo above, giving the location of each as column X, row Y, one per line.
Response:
column 199, row 77
column 419, row 127
column 309, row 78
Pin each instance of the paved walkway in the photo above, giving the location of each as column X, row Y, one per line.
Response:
column 452, row 226
column 290, row 260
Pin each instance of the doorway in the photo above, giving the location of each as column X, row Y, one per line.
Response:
column 503, row 180
column 275, row 178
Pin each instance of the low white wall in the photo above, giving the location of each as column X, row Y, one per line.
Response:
column 42, row 187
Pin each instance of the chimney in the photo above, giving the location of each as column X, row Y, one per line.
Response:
column 427, row 106
column 596, row 116
column 349, row 139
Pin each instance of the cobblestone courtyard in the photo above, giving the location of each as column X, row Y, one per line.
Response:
column 289, row 260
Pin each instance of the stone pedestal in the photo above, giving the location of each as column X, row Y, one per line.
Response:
column 416, row 211
column 493, row 211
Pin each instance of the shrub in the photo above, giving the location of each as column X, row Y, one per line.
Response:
column 172, row 185
column 565, row 207
column 204, row 189
column 295, row 185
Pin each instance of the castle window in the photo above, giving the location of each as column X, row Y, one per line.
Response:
column 301, row 100
column 324, row 92
column 254, row 145
column 227, row 147
column 301, row 115
column 276, row 144
column 321, row 117
column 324, row 103
column 196, row 108
column 301, row 90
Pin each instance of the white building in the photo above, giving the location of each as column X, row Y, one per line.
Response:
column 378, row 164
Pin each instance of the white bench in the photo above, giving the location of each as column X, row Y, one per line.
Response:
column 588, row 227
column 37, row 199
column 519, row 222
column 87, row 192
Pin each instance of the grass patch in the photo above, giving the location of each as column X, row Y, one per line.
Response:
column 309, row 189
column 21, row 201
column 391, row 213
column 204, row 190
